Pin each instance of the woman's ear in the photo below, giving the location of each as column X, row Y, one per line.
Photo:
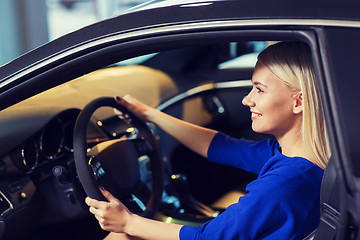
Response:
column 298, row 103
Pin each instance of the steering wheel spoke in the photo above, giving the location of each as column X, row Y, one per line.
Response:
column 142, row 146
column 138, row 199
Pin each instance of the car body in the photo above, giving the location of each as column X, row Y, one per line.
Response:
column 187, row 59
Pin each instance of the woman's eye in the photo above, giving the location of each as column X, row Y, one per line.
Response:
column 259, row 90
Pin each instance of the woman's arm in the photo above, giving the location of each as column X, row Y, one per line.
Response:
column 120, row 236
column 194, row 137
column 114, row 217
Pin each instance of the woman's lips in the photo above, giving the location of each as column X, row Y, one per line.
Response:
column 255, row 115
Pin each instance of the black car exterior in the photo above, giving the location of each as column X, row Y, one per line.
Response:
column 36, row 205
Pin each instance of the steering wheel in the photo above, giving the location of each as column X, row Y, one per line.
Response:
column 114, row 164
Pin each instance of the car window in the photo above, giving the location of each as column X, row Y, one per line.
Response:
column 136, row 60
column 244, row 61
column 231, row 55
column 247, row 60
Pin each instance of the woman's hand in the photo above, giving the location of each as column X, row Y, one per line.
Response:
column 141, row 110
column 195, row 137
column 113, row 216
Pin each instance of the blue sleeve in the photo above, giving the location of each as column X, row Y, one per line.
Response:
column 274, row 208
column 244, row 220
column 241, row 153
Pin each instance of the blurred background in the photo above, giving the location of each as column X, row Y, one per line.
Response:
column 27, row 24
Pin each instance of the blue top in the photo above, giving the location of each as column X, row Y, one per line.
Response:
column 282, row 203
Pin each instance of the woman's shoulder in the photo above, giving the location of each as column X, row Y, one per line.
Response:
column 292, row 171
column 288, row 182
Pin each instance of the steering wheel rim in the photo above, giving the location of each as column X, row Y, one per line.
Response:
column 86, row 174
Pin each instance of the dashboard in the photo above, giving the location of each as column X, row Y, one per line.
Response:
column 38, row 181
column 51, row 142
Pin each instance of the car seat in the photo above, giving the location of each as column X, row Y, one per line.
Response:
column 329, row 205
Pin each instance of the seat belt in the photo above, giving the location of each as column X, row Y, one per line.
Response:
column 329, row 204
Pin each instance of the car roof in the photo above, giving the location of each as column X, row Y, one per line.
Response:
column 314, row 9
column 240, row 9
column 187, row 12
column 167, row 3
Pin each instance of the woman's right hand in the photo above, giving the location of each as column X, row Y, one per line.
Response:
column 141, row 110
column 112, row 215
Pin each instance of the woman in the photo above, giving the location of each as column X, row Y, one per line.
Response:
column 283, row 202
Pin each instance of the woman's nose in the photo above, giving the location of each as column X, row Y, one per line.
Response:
column 247, row 100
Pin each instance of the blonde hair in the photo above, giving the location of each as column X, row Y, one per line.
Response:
column 291, row 62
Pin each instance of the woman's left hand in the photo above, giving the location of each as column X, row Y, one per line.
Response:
column 113, row 216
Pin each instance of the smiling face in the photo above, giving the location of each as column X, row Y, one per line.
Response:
column 275, row 108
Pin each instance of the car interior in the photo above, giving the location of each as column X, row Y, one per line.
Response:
column 201, row 84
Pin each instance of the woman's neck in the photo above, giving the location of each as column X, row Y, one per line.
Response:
column 292, row 145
